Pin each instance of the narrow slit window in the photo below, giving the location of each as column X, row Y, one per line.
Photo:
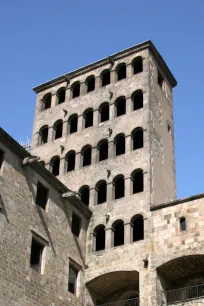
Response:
column 183, row 224
column 36, row 255
column 76, row 225
column 73, row 274
column 160, row 80
column 42, row 195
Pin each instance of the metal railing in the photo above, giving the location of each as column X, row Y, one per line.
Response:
column 130, row 302
column 185, row 294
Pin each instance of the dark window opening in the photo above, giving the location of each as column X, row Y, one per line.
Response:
column 43, row 135
column 1, row 158
column 36, row 255
column 58, row 129
column 137, row 100
column 88, row 117
column 120, row 107
column 70, row 158
column 72, row 286
column 73, row 123
column 61, row 95
column 119, row 145
column 41, row 196
column 119, row 233
column 160, row 80
column 183, row 224
column 55, row 166
column 119, row 188
column 86, row 153
column 47, row 101
column 104, row 111
column 100, row 238
column 137, row 179
column 121, row 72
column 84, row 193
column 76, row 225
column 75, row 90
column 137, row 138
column 101, row 192
column 90, row 84
column 103, row 150
column 169, row 129
column 137, row 65
column 138, row 228
column 105, row 77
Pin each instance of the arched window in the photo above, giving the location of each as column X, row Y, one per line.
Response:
column 88, row 118
column 105, row 77
column 86, row 155
column 137, row 228
column 120, row 105
column 84, row 194
column 137, row 100
column 57, row 128
column 73, row 123
column 90, row 83
column 121, row 71
column 70, row 161
column 75, row 89
column 46, row 101
column 137, row 181
column 99, row 234
column 55, row 165
column 61, row 95
column 137, row 138
column 103, row 149
column 104, row 111
column 118, row 232
column 119, row 187
column 43, row 134
column 101, row 189
column 182, row 224
column 137, row 65
column 119, row 141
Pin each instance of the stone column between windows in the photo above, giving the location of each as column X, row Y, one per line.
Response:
column 62, row 166
column 53, row 99
column 109, row 192
column 111, row 149
column 83, row 89
column 78, row 161
column 50, row 134
column 113, row 76
column 97, row 82
column 127, row 233
column 65, row 129
column 128, row 70
column 109, row 238
column 94, row 155
column 68, row 94
column 112, row 110
column 128, row 143
column 80, row 123
column 128, row 105
column 92, row 193
column 128, row 183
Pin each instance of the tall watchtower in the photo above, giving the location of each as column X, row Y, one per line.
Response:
column 106, row 131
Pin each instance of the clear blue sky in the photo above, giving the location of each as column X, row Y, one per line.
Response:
column 43, row 39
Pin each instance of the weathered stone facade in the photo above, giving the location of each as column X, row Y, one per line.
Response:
column 160, row 246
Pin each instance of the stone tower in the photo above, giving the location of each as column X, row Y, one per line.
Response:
column 106, row 131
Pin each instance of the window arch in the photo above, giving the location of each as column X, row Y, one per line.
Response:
column 75, row 89
column 43, row 134
column 84, row 194
column 121, row 71
column 137, row 138
column 101, row 189
column 73, row 123
column 46, row 101
column 57, row 128
column 99, row 235
column 182, row 224
column 86, row 153
column 137, row 100
column 88, row 118
column 70, row 158
column 55, row 165
column 104, row 111
column 61, row 95
column 137, row 181
column 118, row 233
column 137, row 65
column 119, row 142
column 119, row 186
column 120, row 105
column 90, row 83
column 103, row 149
column 105, row 77
column 137, row 228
